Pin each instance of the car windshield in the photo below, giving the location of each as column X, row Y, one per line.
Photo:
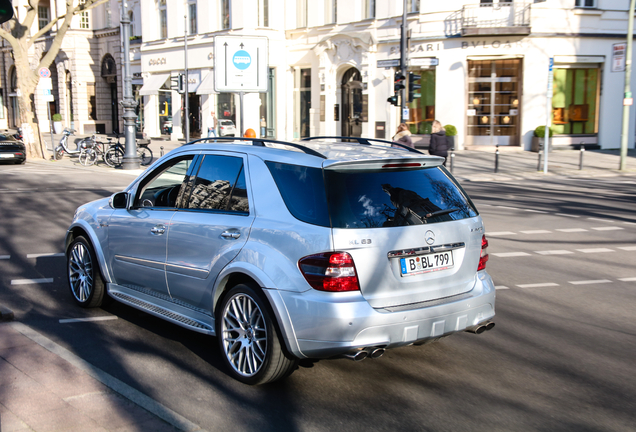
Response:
column 226, row 123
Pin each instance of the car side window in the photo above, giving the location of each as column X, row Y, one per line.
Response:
column 164, row 188
column 219, row 185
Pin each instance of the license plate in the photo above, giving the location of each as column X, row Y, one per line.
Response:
column 426, row 263
column 6, row 155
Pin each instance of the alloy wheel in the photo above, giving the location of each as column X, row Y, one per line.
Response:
column 244, row 334
column 80, row 272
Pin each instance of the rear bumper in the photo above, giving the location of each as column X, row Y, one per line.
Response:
column 321, row 325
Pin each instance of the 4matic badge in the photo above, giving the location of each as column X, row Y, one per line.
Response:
column 358, row 242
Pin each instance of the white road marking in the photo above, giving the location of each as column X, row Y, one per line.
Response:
column 539, row 285
column 628, row 248
column 43, row 255
column 629, row 279
column 590, row 282
column 609, row 228
column 567, row 215
column 535, row 211
column 500, row 287
column 501, row 233
column 554, row 252
column 601, row 220
column 510, row 254
column 508, row 208
column 31, row 281
column 596, row 250
column 571, row 230
column 629, row 223
column 536, row 232
column 75, row 320
column 5, row 256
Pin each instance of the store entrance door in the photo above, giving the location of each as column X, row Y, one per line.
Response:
column 352, row 103
column 493, row 102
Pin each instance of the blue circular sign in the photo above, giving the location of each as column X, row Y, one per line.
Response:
column 242, row 60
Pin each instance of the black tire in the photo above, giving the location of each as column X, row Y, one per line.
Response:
column 114, row 157
column 59, row 154
column 145, row 155
column 87, row 157
column 255, row 338
column 84, row 277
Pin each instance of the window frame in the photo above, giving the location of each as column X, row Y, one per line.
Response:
column 583, row 6
column 193, row 23
column 225, row 10
column 43, row 21
column 162, row 12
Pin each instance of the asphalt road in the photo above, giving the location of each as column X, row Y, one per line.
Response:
column 561, row 357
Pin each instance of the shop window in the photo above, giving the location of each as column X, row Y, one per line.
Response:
column 165, row 109
column 303, row 102
column 225, row 109
column 422, row 108
column 575, row 98
column 92, row 101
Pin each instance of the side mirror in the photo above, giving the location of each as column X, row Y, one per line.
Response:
column 119, row 200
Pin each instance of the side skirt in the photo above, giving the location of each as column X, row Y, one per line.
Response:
column 164, row 308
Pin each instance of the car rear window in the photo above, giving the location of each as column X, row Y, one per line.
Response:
column 395, row 197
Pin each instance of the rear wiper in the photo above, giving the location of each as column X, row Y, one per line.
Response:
column 441, row 212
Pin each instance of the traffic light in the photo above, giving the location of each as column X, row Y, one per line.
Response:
column 398, row 82
column 181, row 87
column 6, row 10
column 412, row 86
column 393, row 100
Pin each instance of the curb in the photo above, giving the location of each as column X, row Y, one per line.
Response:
column 6, row 314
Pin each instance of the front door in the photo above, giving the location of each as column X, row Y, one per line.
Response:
column 138, row 235
column 114, row 110
column 352, row 103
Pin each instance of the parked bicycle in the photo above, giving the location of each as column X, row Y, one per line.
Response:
column 117, row 151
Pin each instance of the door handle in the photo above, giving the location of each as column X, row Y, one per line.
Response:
column 230, row 235
column 158, row 229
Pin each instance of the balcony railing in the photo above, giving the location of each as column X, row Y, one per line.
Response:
column 496, row 18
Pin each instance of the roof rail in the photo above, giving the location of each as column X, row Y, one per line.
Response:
column 260, row 143
column 365, row 141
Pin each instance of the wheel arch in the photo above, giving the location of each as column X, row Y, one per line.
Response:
column 81, row 228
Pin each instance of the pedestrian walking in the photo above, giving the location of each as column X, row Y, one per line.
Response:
column 439, row 142
column 212, row 123
column 403, row 135
column 263, row 127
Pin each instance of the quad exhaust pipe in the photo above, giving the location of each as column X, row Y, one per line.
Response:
column 368, row 352
column 480, row 328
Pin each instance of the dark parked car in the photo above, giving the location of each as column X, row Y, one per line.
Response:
column 12, row 150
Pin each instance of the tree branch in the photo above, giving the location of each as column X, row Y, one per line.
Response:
column 9, row 38
column 81, row 8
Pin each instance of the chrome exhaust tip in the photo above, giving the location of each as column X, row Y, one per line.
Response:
column 480, row 328
column 358, row 356
column 377, row 353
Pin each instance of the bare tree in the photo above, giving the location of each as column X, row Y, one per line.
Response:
column 18, row 35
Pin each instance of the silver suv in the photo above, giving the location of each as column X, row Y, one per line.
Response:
column 290, row 251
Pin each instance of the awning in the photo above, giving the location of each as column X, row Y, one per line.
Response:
column 207, row 85
column 153, row 83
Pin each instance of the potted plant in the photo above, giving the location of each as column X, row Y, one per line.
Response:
column 451, row 134
column 57, row 123
column 538, row 138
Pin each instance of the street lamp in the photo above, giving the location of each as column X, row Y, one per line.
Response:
column 131, row 160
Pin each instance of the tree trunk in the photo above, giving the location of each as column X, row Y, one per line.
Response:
column 27, row 82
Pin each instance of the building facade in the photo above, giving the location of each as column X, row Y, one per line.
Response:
column 481, row 66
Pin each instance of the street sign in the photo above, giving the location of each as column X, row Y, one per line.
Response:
column 388, row 63
column 46, row 83
column 48, row 97
column 618, row 56
column 44, row 72
column 424, row 62
column 240, row 64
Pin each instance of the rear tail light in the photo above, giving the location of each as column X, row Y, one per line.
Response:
column 330, row 271
column 483, row 258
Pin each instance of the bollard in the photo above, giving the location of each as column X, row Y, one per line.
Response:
column 497, row 158
column 161, row 150
column 581, row 157
column 452, row 159
column 540, row 157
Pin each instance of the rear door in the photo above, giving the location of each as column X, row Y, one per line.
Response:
column 412, row 232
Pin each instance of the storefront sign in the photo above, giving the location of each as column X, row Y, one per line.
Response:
column 157, row 61
column 618, row 57
column 471, row 112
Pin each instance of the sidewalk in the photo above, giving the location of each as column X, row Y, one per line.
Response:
column 469, row 165
column 44, row 387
